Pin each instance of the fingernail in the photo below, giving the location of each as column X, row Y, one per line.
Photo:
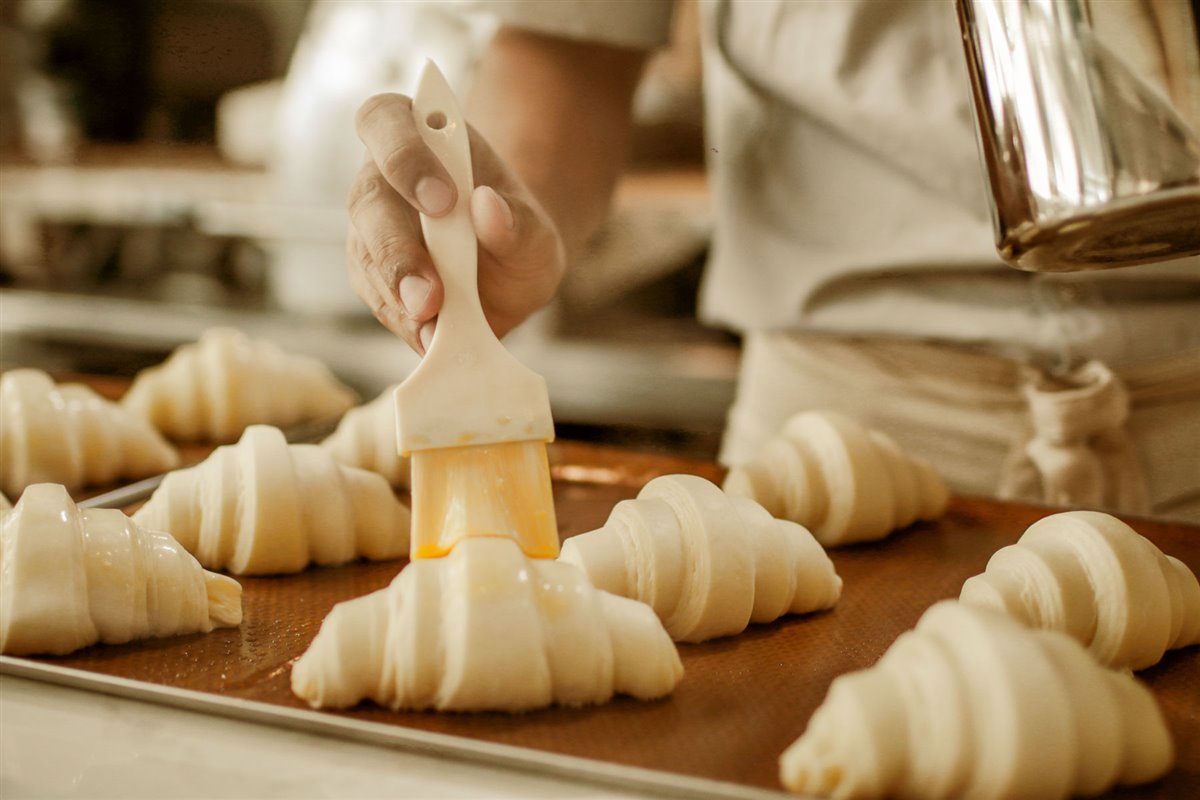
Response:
column 414, row 289
column 426, row 335
column 500, row 205
column 434, row 195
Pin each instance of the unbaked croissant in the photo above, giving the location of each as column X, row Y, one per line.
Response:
column 1093, row 577
column 973, row 704
column 68, row 434
column 263, row 506
column 487, row 628
column 212, row 389
column 366, row 438
column 707, row 562
column 844, row 482
column 71, row 577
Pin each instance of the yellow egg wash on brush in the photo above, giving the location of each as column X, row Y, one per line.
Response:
column 492, row 490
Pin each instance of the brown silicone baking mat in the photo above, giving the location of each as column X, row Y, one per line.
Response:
column 743, row 699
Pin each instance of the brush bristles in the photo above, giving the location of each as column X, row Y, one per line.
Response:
column 492, row 490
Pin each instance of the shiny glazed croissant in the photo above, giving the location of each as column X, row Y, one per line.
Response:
column 263, row 506
column 212, row 389
column 366, row 438
column 486, row 628
column 973, row 704
column 68, row 434
column 708, row 563
column 844, row 482
column 71, row 577
column 1093, row 577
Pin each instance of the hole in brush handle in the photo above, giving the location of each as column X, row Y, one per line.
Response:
column 436, row 120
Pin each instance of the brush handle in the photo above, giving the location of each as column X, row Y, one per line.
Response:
column 450, row 239
column 468, row 389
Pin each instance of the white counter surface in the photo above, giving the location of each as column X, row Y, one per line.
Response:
column 59, row 742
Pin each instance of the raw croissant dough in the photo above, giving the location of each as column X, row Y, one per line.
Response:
column 973, row 704
column 843, row 482
column 263, row 506
column 71, row 577
column 68, row 434
column 708, row 563
column 366, row 438
column 487, row 628
column 1093, row 577
column 212, row 389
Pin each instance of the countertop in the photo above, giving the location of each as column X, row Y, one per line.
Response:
column 657, row 384
column 59, row 742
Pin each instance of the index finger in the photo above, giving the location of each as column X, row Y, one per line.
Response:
column 385, row 125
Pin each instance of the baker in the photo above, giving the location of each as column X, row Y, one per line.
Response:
column 852, row 247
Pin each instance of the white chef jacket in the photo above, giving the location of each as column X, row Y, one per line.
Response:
column 848, row 191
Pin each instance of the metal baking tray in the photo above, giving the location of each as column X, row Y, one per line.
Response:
column 743, row 699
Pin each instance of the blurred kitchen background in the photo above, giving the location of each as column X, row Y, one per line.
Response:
column 171, row 165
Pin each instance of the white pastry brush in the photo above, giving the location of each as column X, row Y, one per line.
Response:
column 474, row 420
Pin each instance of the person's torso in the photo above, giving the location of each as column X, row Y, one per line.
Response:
column 849, row 195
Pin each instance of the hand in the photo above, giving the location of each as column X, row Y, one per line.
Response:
column 521, row 255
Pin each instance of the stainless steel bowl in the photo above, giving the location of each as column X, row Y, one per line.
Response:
column 1089, row 128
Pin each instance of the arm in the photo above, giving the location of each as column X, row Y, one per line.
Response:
column 560, row 113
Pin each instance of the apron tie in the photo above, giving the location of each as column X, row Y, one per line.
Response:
column 1079, row 453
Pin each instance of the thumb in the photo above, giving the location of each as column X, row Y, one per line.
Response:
column 522, row 259
column 495, row 224
column 514, row 232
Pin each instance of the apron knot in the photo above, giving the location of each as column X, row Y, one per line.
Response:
column 1080, row 450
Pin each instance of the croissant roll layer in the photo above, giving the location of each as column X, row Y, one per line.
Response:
column 264, row 506
column 707, row 562
column 71, row 577
column 486, row 628
column 1093, row 577
column 210, row 390
column 68, row 434
column 366, row 438
column 844, row 482
column 973, row 704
